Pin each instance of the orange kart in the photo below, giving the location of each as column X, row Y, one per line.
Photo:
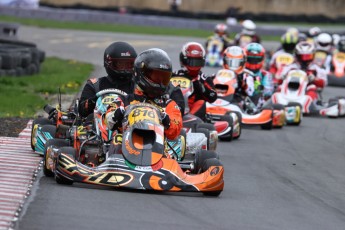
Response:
column 226, row 83
column 137, row 159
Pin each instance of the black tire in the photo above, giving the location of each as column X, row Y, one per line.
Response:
column 184, row 135
column 300, row 118
column 51, row 129
column 10, row 60
column 230, row 121
column 38, row 121
column 201, row 157
column 58, row 178
column 56, row 143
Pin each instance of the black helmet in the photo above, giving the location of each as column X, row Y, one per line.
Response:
column 152, row 70
column 118, row 60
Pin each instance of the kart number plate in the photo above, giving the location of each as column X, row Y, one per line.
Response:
column 182, row 82
column 284, row 59
column 140, row 114
column 340, row 57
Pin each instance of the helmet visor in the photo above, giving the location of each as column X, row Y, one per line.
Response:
column 305, row 57
column 254, row 59
column 121, row 64
column 158, row 76
column 194, row 62
column 234, row 63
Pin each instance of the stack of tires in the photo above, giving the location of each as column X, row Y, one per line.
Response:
column 18, row 58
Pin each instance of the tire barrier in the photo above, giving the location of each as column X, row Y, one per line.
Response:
column 19, row 58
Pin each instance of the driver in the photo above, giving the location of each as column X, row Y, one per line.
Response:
column 192, row 59
column 152, row 71
column 305, row 53
column 118, row 63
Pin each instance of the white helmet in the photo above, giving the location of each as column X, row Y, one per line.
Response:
column 248, row 26
column 324, row 40
column 315, row 31
column 293, row 30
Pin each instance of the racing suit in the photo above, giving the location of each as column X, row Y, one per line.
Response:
column 203, row 90
column 171, row 109
column 317, row 78
column 245, row 88
column 88, row 97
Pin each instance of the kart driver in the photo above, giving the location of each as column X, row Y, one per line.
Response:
column 118, row 63
column 192, row 59
column 152, row 73
column 304, row 53
column 220, row 32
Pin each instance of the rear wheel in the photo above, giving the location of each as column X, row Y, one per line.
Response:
column 201, row 157
column 34, row 127
column 52, row 143
column 72, row 153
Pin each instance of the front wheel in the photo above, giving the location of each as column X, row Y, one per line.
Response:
column 201, row 157
column 34, row 127
column 52, row 143
column 72, row 153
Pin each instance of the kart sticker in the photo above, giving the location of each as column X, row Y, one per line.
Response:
column 182, row 82
column 284, row 59
column 141, row 114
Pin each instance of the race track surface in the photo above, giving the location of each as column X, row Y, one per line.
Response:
column 290, row 178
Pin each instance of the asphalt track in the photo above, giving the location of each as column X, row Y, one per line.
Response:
column 290, row 178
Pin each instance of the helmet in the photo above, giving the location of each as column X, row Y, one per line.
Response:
column 324, row 40
column 248, row 27
column 304, row 53
column 293, row 31
column 313, row 32
column 118, row 61
column 234, row 59
column 341, row 44
column 221, row 29
column 152, row 71
column 289, row 41
column 192, row 56
column 255, row 56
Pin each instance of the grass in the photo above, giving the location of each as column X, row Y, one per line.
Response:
column 23, row 96
column 121, row 28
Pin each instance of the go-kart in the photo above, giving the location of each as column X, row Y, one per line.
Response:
column 137, row 159
column 337, row 75
column 249, row 114
column 293, row 96
column 222, row 129
column 54, row 125
column 214, row 52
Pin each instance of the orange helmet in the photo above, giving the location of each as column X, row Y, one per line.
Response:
column 255, row 56
column 234, row 59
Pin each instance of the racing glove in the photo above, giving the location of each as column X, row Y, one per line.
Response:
column 115, row 118
column 311, row 78
column 165, row 120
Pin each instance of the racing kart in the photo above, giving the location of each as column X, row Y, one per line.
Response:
column 293, row 96
column 249, row 114
column 214, row 52
column 222, row 128
column 137, row 159
column 54, row 125
column 337, row 75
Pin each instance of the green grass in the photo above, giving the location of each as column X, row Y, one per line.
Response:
column 121, row 28
column 23, row 96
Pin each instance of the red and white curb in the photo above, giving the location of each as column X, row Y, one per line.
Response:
column 19, row 166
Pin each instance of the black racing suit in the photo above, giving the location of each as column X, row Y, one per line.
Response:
column 203, row 90
column 88, row 97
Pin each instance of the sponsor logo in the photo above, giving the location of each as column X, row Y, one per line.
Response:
column 214, row 171
column 127, row 54
column 164, row 66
